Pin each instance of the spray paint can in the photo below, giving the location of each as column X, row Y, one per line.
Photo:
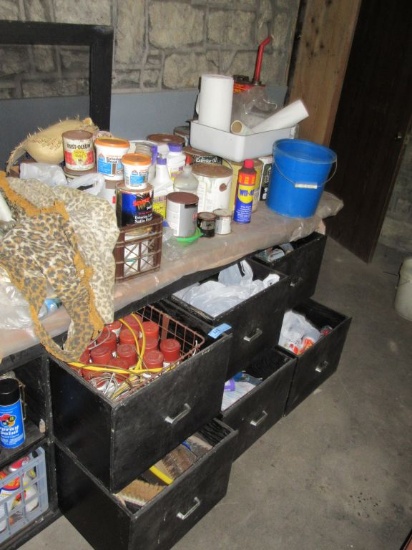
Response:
column 246, row 181
column 12, row 432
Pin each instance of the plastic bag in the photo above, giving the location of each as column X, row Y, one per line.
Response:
column 53, row 175
column 15, row 313
column 252, row 106
column 297, row 333
column 234, row 285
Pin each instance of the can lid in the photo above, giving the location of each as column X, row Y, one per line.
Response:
column 112, row 142
column 138, row 159
column 9, row 391
column 175, row 147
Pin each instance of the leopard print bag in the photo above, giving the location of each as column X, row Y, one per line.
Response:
column 64, row 239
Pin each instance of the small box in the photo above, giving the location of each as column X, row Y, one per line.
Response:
column 118, row 439
column 259, row 409
column 23, row 495
column 236, row 147
column 321, row 360
column 301, row 260
column 254, row 323
column 139, row 249
column 105, row 522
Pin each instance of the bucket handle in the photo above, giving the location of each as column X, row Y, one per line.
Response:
column 304, row 185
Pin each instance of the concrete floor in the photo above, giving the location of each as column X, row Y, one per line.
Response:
column 337, row 472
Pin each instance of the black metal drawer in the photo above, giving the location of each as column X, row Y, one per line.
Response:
column 258, row 410
column 302, row 264
column 117, row 440
column 106, row 523
column 321, row 360
column 255, row 323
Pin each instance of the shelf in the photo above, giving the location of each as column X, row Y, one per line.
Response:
column 34, row 439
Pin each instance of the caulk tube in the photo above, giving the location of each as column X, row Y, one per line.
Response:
column 285, row 118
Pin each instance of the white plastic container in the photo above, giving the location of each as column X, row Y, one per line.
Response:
column 109, row 153
column 234, row 147
column 136, row 169
column 403, row 300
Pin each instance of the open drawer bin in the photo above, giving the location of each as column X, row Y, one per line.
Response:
column 259, row 409
column 302, row 264
column 107, row 523
column 321, row 360
column 254, row 323
column 117, row 440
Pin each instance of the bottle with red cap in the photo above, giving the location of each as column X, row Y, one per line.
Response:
column 171, row 349
column 245, row 189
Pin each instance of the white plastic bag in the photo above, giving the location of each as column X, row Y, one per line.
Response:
column 53, row 175
column 234, row 285
column 297, row 333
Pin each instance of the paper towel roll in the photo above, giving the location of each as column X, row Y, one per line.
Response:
column 237, row 127
column 215, row 101
column 285, row 118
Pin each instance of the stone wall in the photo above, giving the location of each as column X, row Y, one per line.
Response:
column 158, row 44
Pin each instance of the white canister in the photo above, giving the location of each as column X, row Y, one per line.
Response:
column 136, row 169
column 223, row 225
column 403, row 300
column 181, row 213
column 109, row 153
column 214, row 186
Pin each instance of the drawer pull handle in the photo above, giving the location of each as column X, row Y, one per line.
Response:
column 258, row 422
column 322, row 366
column 189, row 512
column 258, row 332
column 182, row 414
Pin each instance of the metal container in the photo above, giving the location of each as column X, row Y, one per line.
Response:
column 181, row 213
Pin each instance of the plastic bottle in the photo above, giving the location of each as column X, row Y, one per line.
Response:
column 186, row 180
column 244, row 192
column 162, row 185
column 50, row 305
column 176, row 159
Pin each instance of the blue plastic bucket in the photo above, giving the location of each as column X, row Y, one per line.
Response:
column 299, row 172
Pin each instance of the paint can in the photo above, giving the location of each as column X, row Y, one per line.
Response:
column 12, row 432
column 78, row 150
column 166, row 139
column 181, row 213
column 214, row 186
column 223, row 225
column 206, row 222
column 133, row 206
column 183, row 132
column 109, row 153
column 196, row 155
column 136, row 169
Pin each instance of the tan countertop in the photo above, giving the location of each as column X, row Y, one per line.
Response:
column 266, row 229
